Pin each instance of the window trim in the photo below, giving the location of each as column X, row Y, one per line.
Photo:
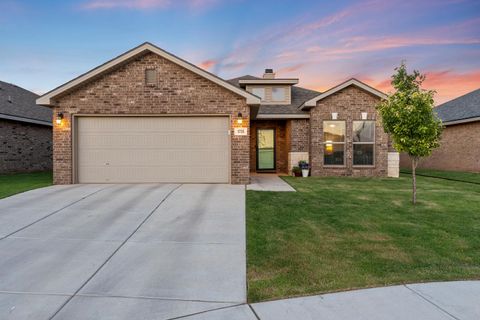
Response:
column 264, row 99
column 373, row 143
column 344, row 145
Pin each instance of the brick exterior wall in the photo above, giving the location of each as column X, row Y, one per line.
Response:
column 281, row 152
column 459, row 150
column 25, row 147
column 349, row 103
column 299, row 135
column 123, row 91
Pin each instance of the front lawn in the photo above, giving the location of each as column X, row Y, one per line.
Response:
column 344, row 233
column 452, row 175
column 11, row 184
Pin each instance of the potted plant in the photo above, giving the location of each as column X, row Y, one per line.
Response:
column 304, row 167
column 296, row 171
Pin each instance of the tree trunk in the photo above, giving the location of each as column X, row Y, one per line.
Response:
column 414, row 181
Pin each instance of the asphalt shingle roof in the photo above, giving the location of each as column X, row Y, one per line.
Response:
column 20, row 103
column 461, row 108
column 299, row 96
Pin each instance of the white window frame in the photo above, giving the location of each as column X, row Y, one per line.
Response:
column 359, row 143
column 344, row 143
column 260, row 88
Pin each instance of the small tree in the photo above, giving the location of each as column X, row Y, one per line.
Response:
column 408, row 117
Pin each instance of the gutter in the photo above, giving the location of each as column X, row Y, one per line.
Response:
column 28, row 120
column 450, row 123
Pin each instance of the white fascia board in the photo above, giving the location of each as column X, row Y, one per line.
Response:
column 47, row 99
column 451, row 123
column 282, row 116
column 22, row 119
column 355, row 82
column 269, row 81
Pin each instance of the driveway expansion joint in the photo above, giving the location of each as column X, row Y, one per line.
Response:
column 430, row 302
column 205, row 311
column 54, row 212
column 115, row 251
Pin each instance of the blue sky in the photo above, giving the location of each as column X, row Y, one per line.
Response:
column 46, row 43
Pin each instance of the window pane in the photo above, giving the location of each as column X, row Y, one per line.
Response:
column 333, row 131
column 333, row 154
column 363, row 131
column 363, row 154
column 259, row 92
column 278, row 94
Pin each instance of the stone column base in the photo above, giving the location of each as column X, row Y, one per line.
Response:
column 294, row 157
column 393, row 165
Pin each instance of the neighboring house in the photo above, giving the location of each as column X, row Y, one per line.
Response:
column 149, row 116
column 25, row 131
column 460, row 143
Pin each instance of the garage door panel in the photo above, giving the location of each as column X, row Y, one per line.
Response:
column 194, row 140
column 153, row 149
column 151, row 157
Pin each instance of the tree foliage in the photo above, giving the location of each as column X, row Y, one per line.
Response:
column 408, row 117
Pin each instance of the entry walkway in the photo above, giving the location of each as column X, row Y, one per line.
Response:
column 268, row 182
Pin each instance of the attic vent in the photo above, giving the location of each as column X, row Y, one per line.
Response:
column 150, row 77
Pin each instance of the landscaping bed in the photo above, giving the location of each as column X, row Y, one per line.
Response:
column 345, row 233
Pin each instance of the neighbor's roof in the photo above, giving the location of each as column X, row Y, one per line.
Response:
column 299, row 96
column 49, row 98
column 351, row 82
column 18, row 104
column 465, row 108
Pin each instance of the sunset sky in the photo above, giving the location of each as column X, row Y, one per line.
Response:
column 46, row 43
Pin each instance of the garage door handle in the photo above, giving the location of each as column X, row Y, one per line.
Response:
column 107, row 163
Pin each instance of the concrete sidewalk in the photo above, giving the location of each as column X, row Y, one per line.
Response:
column 457, row 300
column 268, row 182
column 439, row 300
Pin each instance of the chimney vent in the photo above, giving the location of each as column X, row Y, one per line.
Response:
column 269, row 74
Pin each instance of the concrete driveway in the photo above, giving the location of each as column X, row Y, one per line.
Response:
column 145, row 251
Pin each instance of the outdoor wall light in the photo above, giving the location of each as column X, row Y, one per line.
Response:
column 59, row 118
column 334, row 115
column 364, row 115
column 240, row 118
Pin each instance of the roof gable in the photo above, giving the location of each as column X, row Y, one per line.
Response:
column 352, row 82
column 48, row 98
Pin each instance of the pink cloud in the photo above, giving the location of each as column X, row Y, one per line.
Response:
column 207, row 64
column 368, row 44
column 147, row 4
column 448, row 84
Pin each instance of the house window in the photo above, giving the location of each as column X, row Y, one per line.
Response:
column 363, row 143
column 278, row 94
column 259, row 92
column 334, row 143
column 150, row 77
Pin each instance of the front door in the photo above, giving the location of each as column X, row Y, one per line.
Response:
column 265, row 149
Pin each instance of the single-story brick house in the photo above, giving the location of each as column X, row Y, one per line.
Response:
column 460, row 143
column 25, row 131
column 149, row 116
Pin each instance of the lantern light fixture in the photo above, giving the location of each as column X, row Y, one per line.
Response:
column 240, row 118
column 59, row 118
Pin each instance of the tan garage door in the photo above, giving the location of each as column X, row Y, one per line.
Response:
column 152, row 149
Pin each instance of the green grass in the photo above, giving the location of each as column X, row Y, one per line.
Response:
column 11, row 184
column 453, row 175
column 345, row 233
